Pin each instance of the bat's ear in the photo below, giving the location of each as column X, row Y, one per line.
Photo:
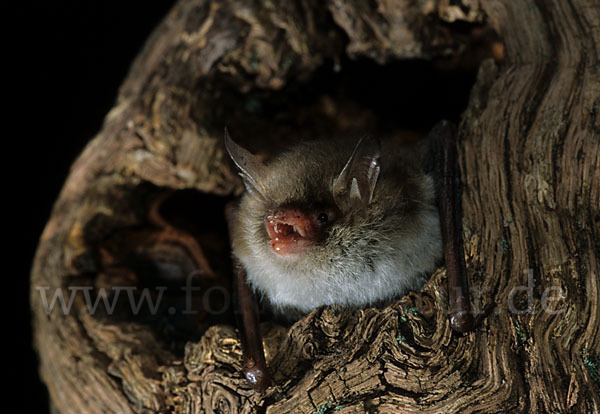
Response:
column 355, row 185
column 251, row 169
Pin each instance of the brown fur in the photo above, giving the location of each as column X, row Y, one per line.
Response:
column 368, row 256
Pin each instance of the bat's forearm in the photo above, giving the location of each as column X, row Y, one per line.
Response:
column 255, row 366
column 246, row 312
column 449, row 193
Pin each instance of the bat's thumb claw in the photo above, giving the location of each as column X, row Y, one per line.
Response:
column 462, row 322
column 258, row 376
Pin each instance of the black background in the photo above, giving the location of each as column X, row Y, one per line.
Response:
column 69, row 58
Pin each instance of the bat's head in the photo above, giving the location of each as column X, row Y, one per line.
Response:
column 304, row 199
column 326, row 212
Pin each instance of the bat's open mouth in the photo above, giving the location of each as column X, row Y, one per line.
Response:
column 288, row 230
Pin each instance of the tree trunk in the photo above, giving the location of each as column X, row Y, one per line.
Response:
column 143, row 208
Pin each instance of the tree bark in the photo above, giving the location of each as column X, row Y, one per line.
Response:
column 529, row 151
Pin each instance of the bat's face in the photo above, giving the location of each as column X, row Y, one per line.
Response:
column 321, row 225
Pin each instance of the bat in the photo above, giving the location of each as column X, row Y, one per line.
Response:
column 347, row 223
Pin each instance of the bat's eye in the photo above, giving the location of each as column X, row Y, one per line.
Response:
column 323, row 218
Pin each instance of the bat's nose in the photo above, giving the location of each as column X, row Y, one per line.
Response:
column 286, row 214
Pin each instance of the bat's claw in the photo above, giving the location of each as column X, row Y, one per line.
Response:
column 257, row 375
column 463, row 322
column 487, row 311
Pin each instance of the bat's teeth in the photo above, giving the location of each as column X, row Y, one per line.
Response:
column 299, row 231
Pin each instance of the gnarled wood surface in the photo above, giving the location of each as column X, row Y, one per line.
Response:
column 529, row 158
